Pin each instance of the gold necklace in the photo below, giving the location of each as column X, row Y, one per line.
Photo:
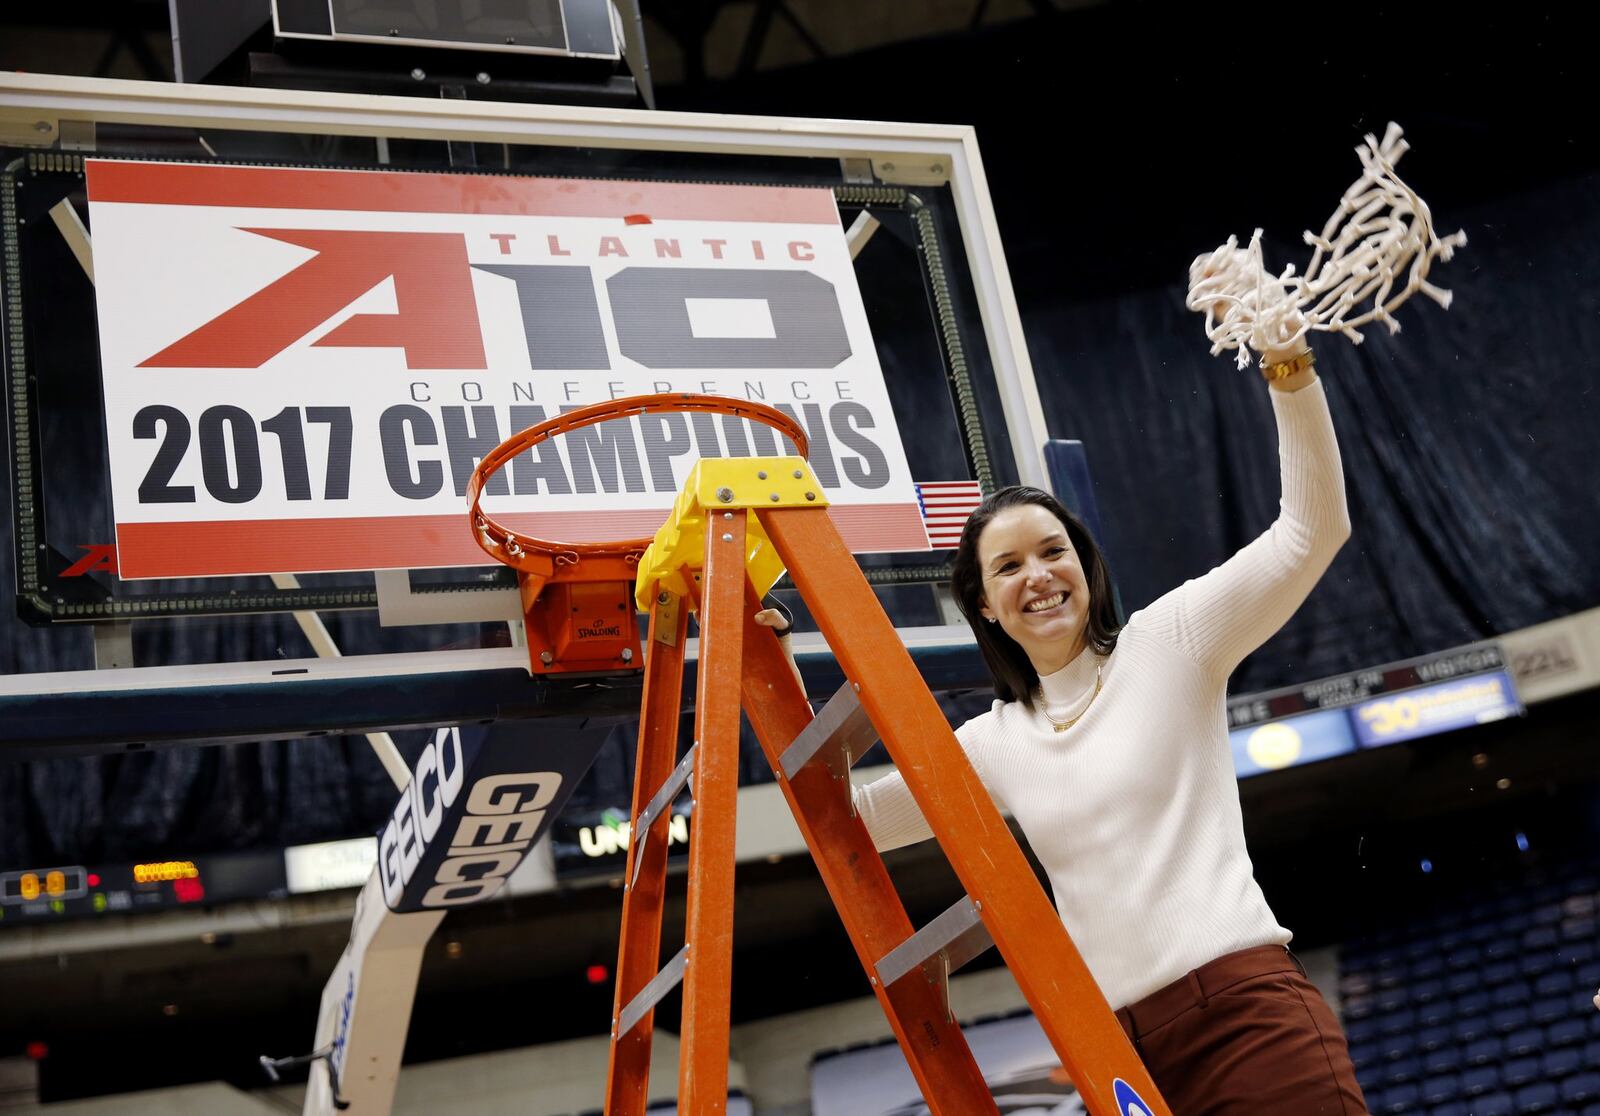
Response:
column 1063, row 726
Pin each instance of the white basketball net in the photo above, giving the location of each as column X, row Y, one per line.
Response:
column 1379, row 239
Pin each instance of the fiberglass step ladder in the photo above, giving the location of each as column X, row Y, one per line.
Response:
column 737, row 525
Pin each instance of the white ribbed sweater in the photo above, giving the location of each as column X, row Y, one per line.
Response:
column 1134, row 811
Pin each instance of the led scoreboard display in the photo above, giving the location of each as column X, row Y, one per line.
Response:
column 77, row 891
column 45, row 884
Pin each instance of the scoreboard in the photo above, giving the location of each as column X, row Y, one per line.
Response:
column 78, row 890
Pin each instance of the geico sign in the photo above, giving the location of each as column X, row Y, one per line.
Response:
column 491, row 825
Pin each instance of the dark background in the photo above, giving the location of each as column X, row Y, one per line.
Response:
column 1119, row 140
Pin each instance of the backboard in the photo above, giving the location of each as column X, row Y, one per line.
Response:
column 139, row 217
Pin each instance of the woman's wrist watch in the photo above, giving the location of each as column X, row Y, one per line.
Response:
column 1283, row 369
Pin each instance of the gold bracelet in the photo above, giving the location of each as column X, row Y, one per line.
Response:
column 1283, row 369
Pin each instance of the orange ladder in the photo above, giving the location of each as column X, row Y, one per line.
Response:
column 737, row 525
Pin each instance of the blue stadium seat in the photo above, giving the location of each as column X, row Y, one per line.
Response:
column 1444, row 1060
column 1502, row 966
column 1543, row 1097
column 1542, row 937
column 1538, row 961
column 1581, row 929
column 1402, row 1070
column 1507, row 1019
column 1493, row 1104
column 1395, row 1046
column 1473, row 1003
column 1552, row 984
column 1591, row 1052
column 1363, row 1053
column 1479, row 1080
column 1388, row 959
column 1437, row 1090
column 1482, row 933
column 1469, row 1028
column 1392, row 999
column 1463, row 981
column 1578, row 905
column 1508, row 934
column 1579, row 952
column 1546, row 913
column 1455, row 1108
column 1389, row 978
column 1426, row 991
column 1358, row 1007
column 1483, row 1052
column 1427, row 967
column 1466, row 956
column 1519, row 1071
column 1420, row 949
column 1529, row 1040
column 1435, row 1014
column 1559, row 1063
column 1430, row 1039
column 1511, row 992
column 1357, row 983
column 1360, row 1030
column 1400, row 1022
column 1581, row 1088
column 1568, row 1032
column 1399, row 1101
column 1550, row 1009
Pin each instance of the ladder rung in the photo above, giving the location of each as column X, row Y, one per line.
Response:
column 958, row 933
column 650, row 995
column 661, row 800
column 841, row 723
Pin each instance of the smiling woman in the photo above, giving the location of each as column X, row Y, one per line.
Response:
column 1109, row 747
column 1020, row 550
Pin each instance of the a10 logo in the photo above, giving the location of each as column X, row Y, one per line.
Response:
column 436, row 319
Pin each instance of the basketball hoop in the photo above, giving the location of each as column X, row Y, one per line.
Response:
column 593, row 578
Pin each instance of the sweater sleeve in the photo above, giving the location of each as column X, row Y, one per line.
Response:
column 892, row 816
column 1219, row 618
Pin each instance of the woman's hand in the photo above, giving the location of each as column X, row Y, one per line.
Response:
column 778, row 620
column 772, row 618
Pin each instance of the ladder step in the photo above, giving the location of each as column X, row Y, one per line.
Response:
column 659, row 802
column 650, row 995
column 958, row 933
column 841, row 726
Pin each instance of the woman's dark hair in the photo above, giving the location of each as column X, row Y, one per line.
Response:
column 1009, row 665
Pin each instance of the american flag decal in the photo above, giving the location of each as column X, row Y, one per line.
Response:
column 945, row 508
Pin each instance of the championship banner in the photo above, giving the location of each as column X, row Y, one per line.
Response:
column 301, row 367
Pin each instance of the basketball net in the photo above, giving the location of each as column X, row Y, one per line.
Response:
column 1372, row 255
